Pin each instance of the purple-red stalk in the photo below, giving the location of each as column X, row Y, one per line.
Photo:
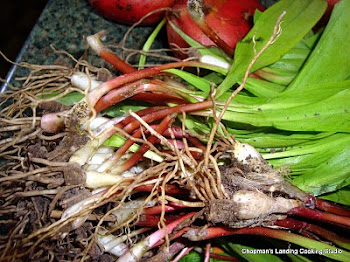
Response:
column 160, row 114
column 331, row 207
column 169, row 189
column 321, row 216
column 137, row 251
column 156, row 210
column 294, row 224
column 153, row 221
column 159, row 93
column 223, row 257
column 136, row 157
column 220, row 231
column 115, row 61
column 207, row 252
column 176, row 236
column 114, row 83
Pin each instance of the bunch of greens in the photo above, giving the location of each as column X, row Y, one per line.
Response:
column 295, row 106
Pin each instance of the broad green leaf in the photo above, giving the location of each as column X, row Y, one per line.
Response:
column 193, row 256
column 341, row 196
column 301, row 16
column 71, row 98
column 327, row 144
column 68, row 100
column 335, row 175
column 312, row 94
column 328, row 115
column 263, row 88
column 275, row 141
column 330, row 60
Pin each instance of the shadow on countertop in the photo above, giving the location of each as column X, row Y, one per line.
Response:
column 17, row 18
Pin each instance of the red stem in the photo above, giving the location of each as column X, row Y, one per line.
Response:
column 176, row 236
column 158, row 93
column 159, row 99
column 158, row 209
column 115, row 61
column 326, row 234
column 159, row 234
column 121, row 151
column 207, row 252
column 168, row 111
column 182, row 254
column 114, row 83
column 222, row 257
column 169, row 189
column 140, row 113
column 318, row 215
column 197, row 143
column 136, row 157
column 331, row 207
column 117, row 95
column 153, row 221
column 214, row 232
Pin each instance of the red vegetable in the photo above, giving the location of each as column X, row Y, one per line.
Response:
column 131, row 11
column 229, row 19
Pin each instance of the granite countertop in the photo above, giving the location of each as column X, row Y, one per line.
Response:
column 64, row 24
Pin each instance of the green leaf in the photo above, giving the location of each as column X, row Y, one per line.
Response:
column 71, row 98
column 263, row 88
column 251, row 257
column 198, row 82
column 285, row 69
column 337, row 175
column 301, row 16
column 214, row 78
column 330, row 60
column 273, row 141
column 312, row 93
column 193, row 256
column 328, row 115
column 149, row 42
column 68, row 100
column 123, row 108
column 341, row 196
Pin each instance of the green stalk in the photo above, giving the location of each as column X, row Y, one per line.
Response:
column 149, row 42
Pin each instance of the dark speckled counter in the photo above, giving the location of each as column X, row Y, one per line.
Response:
column 64, row 24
